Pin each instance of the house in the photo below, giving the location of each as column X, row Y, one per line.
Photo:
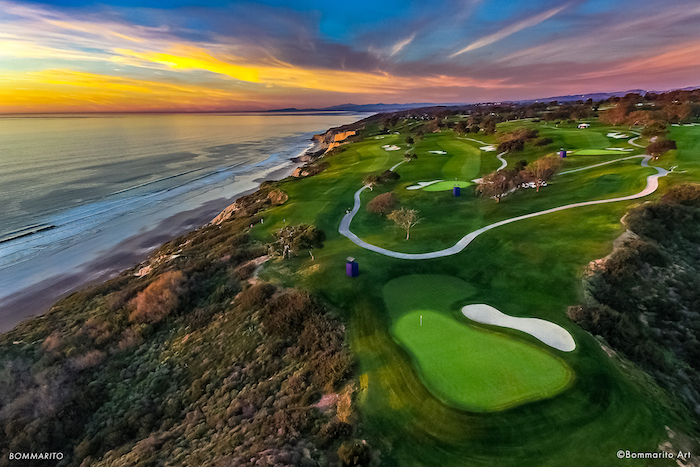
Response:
column 584, row 125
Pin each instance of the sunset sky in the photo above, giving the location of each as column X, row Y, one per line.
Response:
column 79, row 56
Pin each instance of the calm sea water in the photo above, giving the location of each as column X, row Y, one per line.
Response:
column 85, row 183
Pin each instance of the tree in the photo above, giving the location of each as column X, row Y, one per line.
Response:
column 542, row 170
column 660, row 147
column 474, row 128
column 496, row 184
column 409, row 140
column 383, row 204
column 654, row 129
column 370, row 180
column 290, row 240
column 408, row 156
column 489, row 126
column 405, row 218
column 616, row 115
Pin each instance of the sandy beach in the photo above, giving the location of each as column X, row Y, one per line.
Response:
column 36, row 299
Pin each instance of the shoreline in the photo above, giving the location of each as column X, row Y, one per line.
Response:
column 35, row 300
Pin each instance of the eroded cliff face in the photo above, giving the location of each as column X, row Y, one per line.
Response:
column 334, row 137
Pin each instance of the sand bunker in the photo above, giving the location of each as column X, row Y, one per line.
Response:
column 437, row 152
column 619, row 149
column 392, row 147
column 551, row 334
column 420, row 185
column 617, row 135
column 488, row 148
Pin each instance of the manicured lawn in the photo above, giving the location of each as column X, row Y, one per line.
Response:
column 477, row 369
column 528, row 268
column 598, row 152
column 447, row 186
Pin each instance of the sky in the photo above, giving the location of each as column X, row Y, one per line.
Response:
column 130, row 56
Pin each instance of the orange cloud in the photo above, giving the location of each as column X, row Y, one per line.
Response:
column 187, row 58
column 66, row 90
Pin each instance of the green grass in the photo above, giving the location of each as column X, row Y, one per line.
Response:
column 477, row 369
column 597, row 152
column 447, row 186
column 464, row 364
column 528, row 268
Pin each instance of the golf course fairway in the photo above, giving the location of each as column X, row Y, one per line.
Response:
column 478, row 370
column 447, row 186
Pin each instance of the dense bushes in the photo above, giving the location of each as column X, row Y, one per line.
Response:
column 168, row 368
column 159, row 299
column 644, row 298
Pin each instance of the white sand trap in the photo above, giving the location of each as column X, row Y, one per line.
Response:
column 379, row 137
column 619, row 149
column 551, row 334
column 617, row 135
column 488, row 148
column 420, row 185
column 392, row 147
column 437, row 152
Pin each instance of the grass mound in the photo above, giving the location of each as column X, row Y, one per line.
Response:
column 480, row 370
column 463, row 364
column 447, row 186
column 596, row 152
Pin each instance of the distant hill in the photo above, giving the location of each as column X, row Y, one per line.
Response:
column 596, row 96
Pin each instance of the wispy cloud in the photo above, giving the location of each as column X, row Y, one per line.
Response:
column 509, row 30
column 401, row 44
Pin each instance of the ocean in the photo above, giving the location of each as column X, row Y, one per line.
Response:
column 74, row 188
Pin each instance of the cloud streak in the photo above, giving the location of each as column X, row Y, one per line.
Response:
column 509, row 30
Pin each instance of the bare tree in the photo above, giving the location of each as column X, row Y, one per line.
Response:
column 496, row 184
column 542, row 170
column 370, row 180
column 405, row 218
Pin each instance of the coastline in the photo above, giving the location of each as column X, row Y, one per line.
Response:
column 35, row 300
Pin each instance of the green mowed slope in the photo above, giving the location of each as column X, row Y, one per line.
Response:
column 462, row 364
column 599, row 152
column 478, row 369
column 447, row 186
column 528, row 268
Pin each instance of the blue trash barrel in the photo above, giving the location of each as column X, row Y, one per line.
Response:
column 457, row 191
column 352, row 269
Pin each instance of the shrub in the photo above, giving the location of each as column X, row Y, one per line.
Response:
column 660, row 147
column 383, row 204
column 687, row 194
column 353, row 453
column 544, row 141
column 255, row 296
column 159, row 299
column 285, row 313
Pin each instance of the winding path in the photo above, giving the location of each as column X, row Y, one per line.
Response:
column 344, row 229
column 504, row 163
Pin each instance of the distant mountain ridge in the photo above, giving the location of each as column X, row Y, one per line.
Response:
column 381, row 107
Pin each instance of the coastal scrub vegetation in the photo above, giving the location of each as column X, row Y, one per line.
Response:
column 192, row 363
column 643, row 298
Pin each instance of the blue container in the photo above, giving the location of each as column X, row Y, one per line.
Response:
column 352, row 269
column 562, row 154
column 457, row 191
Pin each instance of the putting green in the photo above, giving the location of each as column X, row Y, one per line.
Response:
column 446, row 186
column 476, row 369
column 596, row 152
column 463, row 364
